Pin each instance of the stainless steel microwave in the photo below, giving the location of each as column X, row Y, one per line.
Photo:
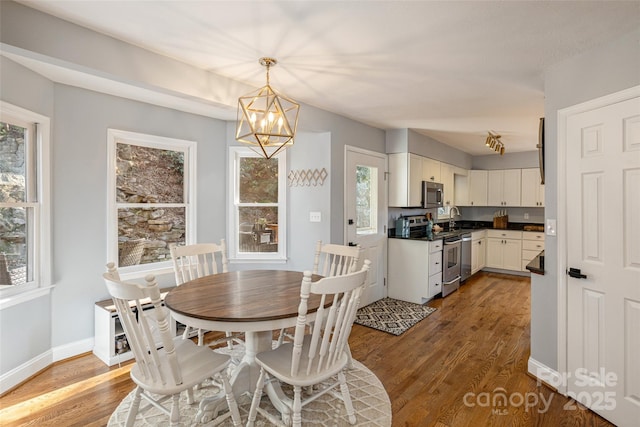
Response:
column 431, row 194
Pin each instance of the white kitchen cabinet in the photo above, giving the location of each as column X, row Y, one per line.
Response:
column 478, row 250
column 532, row 245
column 504, row 187
column 532, row 190
column 405, row 180
column 447, row 179
column 414, row 269
column 431, row 170
column 477, row 188
column 504, row 249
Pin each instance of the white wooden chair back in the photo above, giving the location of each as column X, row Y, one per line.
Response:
column 197, row 260
column 154, row 353
column 332, row 325
column 335, row 260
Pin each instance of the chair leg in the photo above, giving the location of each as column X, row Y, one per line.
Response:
column 200, row 337
column 175, row 410
column 231, row 400
column 346, row 397
column 190, row 398
column 257, row 395
column 229, row 340
column 297, row 406
column 135, row 405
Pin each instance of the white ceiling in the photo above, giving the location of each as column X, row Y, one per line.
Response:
column 452, row 70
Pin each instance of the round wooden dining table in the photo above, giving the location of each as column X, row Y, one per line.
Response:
column 255, row 302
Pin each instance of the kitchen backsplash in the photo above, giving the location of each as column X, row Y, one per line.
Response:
column 535, row 215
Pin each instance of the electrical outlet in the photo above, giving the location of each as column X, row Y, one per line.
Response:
column 526, row 215
column 315, row 216
column 551, row 227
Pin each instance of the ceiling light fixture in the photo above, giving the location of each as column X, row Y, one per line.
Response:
column 493, row 142
column 267, row 119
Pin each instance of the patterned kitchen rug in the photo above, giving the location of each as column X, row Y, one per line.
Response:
column 392, row 315
column 370, row 402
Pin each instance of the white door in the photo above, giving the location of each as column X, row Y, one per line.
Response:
column 366, row 214
column 603, row 242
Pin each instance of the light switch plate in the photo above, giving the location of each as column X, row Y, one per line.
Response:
column 551, row 227
column 315, row 216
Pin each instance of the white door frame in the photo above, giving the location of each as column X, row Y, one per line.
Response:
column 561, row 168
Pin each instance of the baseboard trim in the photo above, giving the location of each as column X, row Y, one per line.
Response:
column 545, row 375
column 25, row 371
column 22, row 373
column 66, row 351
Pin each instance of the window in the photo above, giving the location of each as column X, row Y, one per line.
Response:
column 366, row 200
column 24, row 200
column 257, row 189
column 151, row 203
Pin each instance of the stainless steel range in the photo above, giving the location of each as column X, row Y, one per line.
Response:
column 451, row 261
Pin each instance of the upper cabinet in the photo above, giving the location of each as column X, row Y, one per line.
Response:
column 532, row 189
column 477, row 185
column 503, row 187
column 405, row 180
column 447, row 172
column 431, row 170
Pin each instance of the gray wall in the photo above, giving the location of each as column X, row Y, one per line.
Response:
column 25, row 329
column 524, row 159
column 410, row 141
column 601, row 71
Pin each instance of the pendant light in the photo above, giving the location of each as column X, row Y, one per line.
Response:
column 267, row 120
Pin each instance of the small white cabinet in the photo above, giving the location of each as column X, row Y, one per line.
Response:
column 431, row 170
column 532, row 188
column 435, row 268
column 405, row 180
column 504, row 187
column 504, row 249
column 111, row 344
column 478, row 250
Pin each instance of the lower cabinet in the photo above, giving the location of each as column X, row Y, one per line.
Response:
column 504, row 249
column 478, row 250
column 414, row 269
column 532, row 245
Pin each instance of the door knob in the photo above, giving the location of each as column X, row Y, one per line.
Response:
column 576, row 273
column 350, row 222
column 352, row 244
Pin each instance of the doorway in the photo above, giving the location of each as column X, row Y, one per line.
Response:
column 365, row 207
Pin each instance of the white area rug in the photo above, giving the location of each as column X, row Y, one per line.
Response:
column 370, row 401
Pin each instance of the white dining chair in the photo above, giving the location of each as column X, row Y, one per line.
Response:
column 197, row 260
column 330, row 260
column 320, row 355
column 164, row 367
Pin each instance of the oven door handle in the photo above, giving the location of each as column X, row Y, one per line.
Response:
column 452, row 242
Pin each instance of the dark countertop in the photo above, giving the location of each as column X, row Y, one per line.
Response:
column 537, row 264
column 464, row 227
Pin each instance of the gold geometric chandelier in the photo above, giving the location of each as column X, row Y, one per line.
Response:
column 493, row 142
column 267, row 120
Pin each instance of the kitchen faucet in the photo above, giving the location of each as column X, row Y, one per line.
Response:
column 452, row 221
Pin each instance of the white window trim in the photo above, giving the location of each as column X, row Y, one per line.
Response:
column 151, row 141
column 232, row 200
column 42, row 233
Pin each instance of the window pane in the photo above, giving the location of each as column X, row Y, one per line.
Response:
column 12, row 163
column 149, row 175
column 258, row 231
column 258, row 180
column 366, row 200
column 144, row 234
column 14, row 246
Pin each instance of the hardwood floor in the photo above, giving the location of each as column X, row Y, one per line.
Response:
column 448, row 370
